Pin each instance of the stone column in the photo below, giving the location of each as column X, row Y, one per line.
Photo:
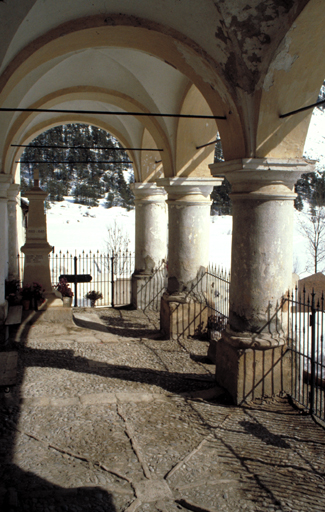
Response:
column 5, row 181
column 188, row 239
column 261, row 272
column 13, row 234
column 150, row 237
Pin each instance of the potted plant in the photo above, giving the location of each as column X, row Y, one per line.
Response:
column 31, row 294
column 65, row 290
column 26, row 296
column 93, row 296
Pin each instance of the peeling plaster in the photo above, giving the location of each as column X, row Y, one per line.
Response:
column 251, row 29
column 283, row 61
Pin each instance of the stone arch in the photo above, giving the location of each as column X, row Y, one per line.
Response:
column 293, row 80
column 95, row 94
column 145, row 36
column 27, row 137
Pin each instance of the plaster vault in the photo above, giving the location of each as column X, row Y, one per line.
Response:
column 240, row 63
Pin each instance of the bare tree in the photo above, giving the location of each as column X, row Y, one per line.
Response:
column 117, row 241
column 118, row 250
column 313, row 229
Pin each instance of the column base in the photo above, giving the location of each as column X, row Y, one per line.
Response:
column 180, row 319
column 147, row 289
column 138, row 287
column 251, row 366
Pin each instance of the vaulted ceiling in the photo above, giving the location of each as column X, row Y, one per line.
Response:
column 246, row 60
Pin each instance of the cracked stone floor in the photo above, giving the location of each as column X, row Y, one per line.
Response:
column 107, row 417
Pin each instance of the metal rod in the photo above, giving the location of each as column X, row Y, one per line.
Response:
column 74, row 162
column 112, row 280
column 75, row 282
column 208, row 144
column 84, row 147
column 313, row 352
column 281, row 116
column 109, row 113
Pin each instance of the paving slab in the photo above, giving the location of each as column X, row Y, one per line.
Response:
column 139, row 425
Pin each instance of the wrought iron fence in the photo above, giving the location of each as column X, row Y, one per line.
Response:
column 152, row 289
column 306, row 341
column 111, row 276
column 206, row 305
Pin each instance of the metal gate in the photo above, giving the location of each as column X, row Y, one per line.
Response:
column 306, row 341
column 111, row 275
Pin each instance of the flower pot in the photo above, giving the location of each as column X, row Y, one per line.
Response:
column 67, row 302
column 25, row 304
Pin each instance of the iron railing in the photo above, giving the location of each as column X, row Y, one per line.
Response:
column 153, row 286
column 305, row 338
column 205, row 308
column 111, row 276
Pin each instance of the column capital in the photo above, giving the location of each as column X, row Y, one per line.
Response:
column 189, row 189
column 148, row 192
column 263, row 178
column 5, row 181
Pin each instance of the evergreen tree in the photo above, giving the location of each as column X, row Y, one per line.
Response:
column 311, row 189
column 84, row 175
column 221, row 202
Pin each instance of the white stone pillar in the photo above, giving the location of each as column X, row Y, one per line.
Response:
column 261, row 264
column 189, row 230
column 5, row 181
column 150, row 227
column 13, row 232
column 150, row 237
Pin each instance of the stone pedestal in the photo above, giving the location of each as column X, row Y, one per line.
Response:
column 188, row 239
column 37, row 248
column 251, row 366
column 180, row 320
column 5, row 181
column 261, row 264
column 150, row 238
column 13, row 234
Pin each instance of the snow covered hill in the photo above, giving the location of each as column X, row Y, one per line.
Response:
column 75, row 227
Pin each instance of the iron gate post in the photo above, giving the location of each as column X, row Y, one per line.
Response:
column 112, row 280
column 313, row 352
column 75, row 282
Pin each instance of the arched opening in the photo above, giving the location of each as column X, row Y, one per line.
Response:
column 74, row 160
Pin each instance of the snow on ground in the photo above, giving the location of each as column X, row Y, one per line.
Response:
column 77, row 227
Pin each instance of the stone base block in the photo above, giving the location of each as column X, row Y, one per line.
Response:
column 140, row 292
column 180, row 320
column 249, row 373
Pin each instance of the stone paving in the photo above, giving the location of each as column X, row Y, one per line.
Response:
column 106, row 416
